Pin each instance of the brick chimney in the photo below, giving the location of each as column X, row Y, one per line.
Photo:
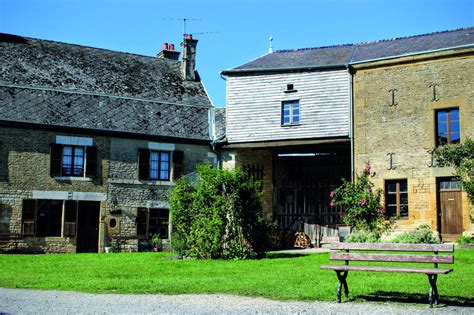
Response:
column 168, row 52
column 188, row 66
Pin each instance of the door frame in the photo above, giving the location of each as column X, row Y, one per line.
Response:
column 439, row 215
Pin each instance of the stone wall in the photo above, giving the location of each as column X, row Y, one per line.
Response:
column 25, row 160
column 404, row 127
column 131, row 193
column 256, row 157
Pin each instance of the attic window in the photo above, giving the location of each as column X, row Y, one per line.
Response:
column 290, row 88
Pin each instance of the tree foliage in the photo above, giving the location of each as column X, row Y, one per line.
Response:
column 361, row 203
column 219, row 216
column 461, row 158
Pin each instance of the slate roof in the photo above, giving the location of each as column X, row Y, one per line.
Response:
column 52, row 83
column 48, row 64
column 103, row 113
column 342, row 55
column 220, row 122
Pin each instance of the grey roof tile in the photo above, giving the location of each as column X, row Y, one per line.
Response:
column 47, row 64
column 342, row 55
column 95, row 112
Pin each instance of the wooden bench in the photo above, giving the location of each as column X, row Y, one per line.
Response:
column 432, row 273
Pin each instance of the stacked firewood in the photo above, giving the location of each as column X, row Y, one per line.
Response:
column 302, row 240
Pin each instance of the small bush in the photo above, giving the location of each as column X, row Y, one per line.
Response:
column 421, row 235
column 219, row 216
column 465, row 239
column 363, row 236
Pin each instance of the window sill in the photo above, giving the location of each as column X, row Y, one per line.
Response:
column 139, row 182
column 73, row 178
column 290, row 91
column 290, row 125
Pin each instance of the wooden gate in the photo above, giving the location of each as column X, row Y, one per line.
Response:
column 302, row 184
column 449, row 209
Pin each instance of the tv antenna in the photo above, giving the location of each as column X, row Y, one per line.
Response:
column 184, row 20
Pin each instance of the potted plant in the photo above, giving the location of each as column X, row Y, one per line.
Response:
column 157, row 242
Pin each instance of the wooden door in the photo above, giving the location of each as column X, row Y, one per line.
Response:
column 88, row 227
column 449, row 209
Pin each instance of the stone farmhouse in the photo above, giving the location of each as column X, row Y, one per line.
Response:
column 303, row 119
column 91, row 140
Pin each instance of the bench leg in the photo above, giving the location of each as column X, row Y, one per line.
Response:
column 433, row 290
column 341, row 276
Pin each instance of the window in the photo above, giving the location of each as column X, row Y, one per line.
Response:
column 152, row 221
column 447, row 127
column 156, row 165
column 43, row 218
column 290, row 113
column 73, row 161
column 396, row 198
column 159, row 165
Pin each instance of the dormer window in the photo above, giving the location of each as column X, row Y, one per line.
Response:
column 290, row 113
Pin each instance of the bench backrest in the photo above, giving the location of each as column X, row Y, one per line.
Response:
column 387, row 257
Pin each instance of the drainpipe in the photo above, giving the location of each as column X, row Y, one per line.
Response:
column 351, row 120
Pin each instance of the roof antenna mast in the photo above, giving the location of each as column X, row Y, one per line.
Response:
column 184, row 24
column 270, row 47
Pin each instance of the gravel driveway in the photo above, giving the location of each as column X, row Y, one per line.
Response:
column 22, row 301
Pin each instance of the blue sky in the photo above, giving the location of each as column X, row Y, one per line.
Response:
column 234, row 31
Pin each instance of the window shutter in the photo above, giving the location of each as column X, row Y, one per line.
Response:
column 70, row 218
column 143, row 164
column 142, row 222
column 91, row 163
column 28, row 216
column 56, row 156
column 178, row 166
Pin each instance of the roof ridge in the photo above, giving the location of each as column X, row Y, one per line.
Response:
column 86, row 46
column 373, row 42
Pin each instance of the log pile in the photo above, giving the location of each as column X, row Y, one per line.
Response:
column 302, row 240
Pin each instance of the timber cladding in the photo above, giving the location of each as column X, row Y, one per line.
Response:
column 395, row 127
column 254, row 106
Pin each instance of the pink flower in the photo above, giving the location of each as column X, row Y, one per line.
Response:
column 363, row 202
column 344, row 190
column 332, row 204
column 332, row 194
column 367, row 169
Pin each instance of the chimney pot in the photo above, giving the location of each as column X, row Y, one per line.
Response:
column 172, row 47
column 165, row 46
column 189, row 36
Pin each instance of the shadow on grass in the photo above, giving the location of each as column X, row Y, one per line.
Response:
column 397, row 297
column 284, row 255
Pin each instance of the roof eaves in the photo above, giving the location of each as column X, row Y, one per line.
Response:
column 284, row 69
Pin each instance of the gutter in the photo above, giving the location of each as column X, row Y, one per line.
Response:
column 351, row 122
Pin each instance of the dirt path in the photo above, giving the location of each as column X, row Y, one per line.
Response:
column 22, row 301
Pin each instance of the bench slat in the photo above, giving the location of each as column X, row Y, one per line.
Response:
column 394, row 247
column 441, row 259
column 430, row 271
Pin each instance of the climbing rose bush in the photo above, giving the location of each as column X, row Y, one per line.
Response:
column 361, row 203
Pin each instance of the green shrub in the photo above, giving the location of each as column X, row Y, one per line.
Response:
column 362, row 236
column 219, row 216
column 465, row 239
column 421, row 235
column 361, row 202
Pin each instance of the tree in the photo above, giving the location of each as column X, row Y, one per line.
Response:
column 220, row 215
column 461, row 158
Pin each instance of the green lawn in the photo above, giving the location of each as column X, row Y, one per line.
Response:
column 281, row 277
